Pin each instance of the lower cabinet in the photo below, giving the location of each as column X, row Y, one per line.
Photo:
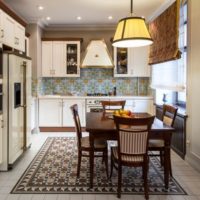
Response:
column 178, row 142
column 57, row 113
column 50, row 112
column 140, row 105
column 68, row 120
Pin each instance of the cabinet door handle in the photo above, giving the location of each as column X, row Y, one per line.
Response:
column 2, row 124
column 17, row 40
column 2, row 33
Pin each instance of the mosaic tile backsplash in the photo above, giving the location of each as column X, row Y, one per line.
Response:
column 91, row 81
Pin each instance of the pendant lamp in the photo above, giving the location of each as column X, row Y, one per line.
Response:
column 131, row 32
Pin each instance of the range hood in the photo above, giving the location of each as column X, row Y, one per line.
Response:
column 97, row 55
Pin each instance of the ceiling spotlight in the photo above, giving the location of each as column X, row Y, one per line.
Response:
column 48, row 18
column 110, row 17
column 40, row 7
column 79, row 18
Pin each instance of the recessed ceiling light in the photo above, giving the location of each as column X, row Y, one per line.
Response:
column 48, row 18
column 79, row 18
column 40, row 7
column 110, row 17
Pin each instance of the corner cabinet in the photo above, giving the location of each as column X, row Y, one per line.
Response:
column 60, row 59
column 131, row 62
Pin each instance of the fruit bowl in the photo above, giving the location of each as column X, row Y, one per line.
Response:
column 123, row 113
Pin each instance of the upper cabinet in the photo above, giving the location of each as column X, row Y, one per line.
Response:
column 72, row 59
column 60, row 59
column 131, row 62
column 19, row 39
column 11, row 32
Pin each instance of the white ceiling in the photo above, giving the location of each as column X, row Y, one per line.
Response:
column 93, row 12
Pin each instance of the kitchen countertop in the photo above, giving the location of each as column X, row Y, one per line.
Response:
column 93, row 97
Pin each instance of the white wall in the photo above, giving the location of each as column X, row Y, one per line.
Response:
column 193, row 95
column 35, row 46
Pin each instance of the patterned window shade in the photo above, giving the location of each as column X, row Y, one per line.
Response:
column 164, row 31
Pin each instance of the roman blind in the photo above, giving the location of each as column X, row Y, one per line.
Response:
column 164, row 31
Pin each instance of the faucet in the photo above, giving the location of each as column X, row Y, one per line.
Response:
column 114, row 91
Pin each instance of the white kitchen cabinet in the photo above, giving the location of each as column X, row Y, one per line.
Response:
column 19, row 39
column 71, row 59
column 131, row 62
column 1, row 25
column 57, row 113
column 52, row 59
column 47, row 59
column 60, row 59
column 139, row 62
column 12, row 33
column 1, row 139
column 68, row 120
column 8, row 30
column 140, row 105
column 50, row 112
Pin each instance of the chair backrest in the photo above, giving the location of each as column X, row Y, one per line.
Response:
column 169, row 114
column 113, row 105
column 133, row 135
column 74, row 109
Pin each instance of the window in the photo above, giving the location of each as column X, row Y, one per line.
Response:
column 169, row 78
column 181, row 96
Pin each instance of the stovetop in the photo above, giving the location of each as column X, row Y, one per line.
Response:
column 97, row 94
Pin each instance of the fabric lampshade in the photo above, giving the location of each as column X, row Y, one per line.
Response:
column 132, row 32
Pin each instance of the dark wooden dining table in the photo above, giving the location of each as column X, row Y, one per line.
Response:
column 101, row 125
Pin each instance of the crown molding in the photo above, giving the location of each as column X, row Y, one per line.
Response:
column 160, row 10
column 78, row 27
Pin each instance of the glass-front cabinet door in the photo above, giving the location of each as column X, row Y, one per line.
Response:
column 72, row 58
column 121, row 61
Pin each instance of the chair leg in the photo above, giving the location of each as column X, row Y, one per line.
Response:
column 170, row 165
column 161, row 158
column 105, row 155
column 119, row 181
column 79, row 163
column 111, row 165
column 146, row 188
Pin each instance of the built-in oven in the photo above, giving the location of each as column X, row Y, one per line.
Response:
column 93, row 105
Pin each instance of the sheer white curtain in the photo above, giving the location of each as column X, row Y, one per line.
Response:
column 166, row 76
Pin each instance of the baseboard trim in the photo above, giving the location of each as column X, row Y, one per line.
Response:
column 193, row 161
column 59, row 129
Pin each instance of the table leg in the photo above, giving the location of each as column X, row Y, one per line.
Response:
column 91, row 159
column 166, row 166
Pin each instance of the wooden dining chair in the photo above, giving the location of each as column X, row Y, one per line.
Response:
column 113, row 105
column 132, row 139
column 83, row 143
column 168, row 117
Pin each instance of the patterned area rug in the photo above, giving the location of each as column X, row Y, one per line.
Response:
column 53, row 170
